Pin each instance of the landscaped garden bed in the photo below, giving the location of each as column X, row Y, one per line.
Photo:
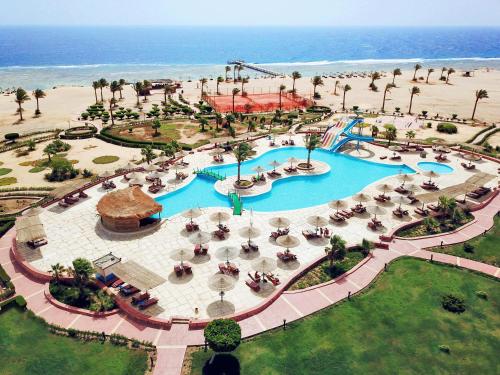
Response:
column 432, row 226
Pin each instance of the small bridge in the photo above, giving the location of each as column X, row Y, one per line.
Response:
column 253, row 67
column 208, row 173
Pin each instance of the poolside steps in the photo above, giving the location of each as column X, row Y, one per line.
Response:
column 208, row 173
column 236, row 203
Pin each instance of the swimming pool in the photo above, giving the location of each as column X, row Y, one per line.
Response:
column 435, row 167
column 347, row 176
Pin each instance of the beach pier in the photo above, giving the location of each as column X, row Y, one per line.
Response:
column 253, row 67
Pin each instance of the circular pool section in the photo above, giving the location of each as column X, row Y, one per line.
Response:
column 435, row 167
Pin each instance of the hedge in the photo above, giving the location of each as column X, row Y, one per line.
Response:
column 119, row 141
column 446, row 127
column 479, row 133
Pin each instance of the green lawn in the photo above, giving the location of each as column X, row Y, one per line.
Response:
column 486, row 248
column 106, row 159
column 27, row 347
column 4, row 171
column 395, row 327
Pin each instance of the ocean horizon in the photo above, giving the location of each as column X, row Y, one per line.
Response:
column 42, row 56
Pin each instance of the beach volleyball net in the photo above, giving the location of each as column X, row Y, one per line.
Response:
column 251, row 103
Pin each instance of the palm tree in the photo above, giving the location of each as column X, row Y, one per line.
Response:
column 56, row 270
column 148, row 153
column 450, row 72
column 414, row 91
column 410, row 134
column 235, row 68
column 50, row 150
column 387, row 89
column 243, row 82
column 282, row 87
column 95, row 86
column 395, row 72
column 138, row 87
column 335, row 89
column 374, row 76
column 218, row 121
column 21, row 97
column 156, row 125
column 390, row 133
column 122, row 83
column 235, row 92
column 346, row 89
column 240, row 68
column 429, row 71
column 38, row 94
column 480, row 94
column 102, row 84
column 167, row 91
column 219, row 81
column 417, row 68
column 443, row 69
column 114, row 87
column 295, row 76
column 337, row 249
column 112, row 102
column 446, row 204
column 227, row 70
column 203, row 82
column 311, row 141
column 316, row 81
column 82, row 272
column 146, row 85
column 203, row 123
column 241, row 152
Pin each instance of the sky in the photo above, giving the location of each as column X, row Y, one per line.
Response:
column 261, row 13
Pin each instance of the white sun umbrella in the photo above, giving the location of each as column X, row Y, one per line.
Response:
column 217, row 151
column 405, row 178
column 259, row 170
column 106, row 174
column 192, row 213
column 227, row 252
column 264, row 264
column 288, row 241
column 150, row 168
column 361, row 197
column 431, row 175
column 401, row 199
column 221, row 283
column 180, row 254
column 338, row 205
column 200, row 238
column 249, row 232
column 292, row 161
column 274, row 164
column 376, row 210
column 384, row 188
column 219, row 216
column 134, row 175
column 279, row 222
column 317, row 221
column 155, row 174
column 33, row 211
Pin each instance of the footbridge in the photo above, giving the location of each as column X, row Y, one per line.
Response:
column 253, row 67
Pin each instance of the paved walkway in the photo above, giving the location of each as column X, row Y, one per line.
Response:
column 290, row 305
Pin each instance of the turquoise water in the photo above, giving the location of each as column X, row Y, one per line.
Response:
column 436, row 167
column 348, row 176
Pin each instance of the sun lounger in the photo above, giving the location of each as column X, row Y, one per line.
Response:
column 82, row 194
column 397, row 157
column 141, row 297
column 309, row 234
column 38, row 242
column 413, row 199
column 421, row 212
column 401, row 190
column 468, row 166
column 154, row 188
column 433, row 207
column 286, row 256
column 427, row 186
column 346, row 214
column 192, row 227
column 337, row 217
column 117, row 283
column 178, row 270
column 63, row 204
column 358, row 209
column 200, row 249
column 220, row 234
column 290, row 169
column 145, row 304
column 129, row 291
column 255, row 277
column 273, row 174
column 383, row 157
column 273, row 279
column 253, row 285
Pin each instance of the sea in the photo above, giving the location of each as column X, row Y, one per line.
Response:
column 43, row 57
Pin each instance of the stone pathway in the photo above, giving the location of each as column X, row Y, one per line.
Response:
column 291, row 305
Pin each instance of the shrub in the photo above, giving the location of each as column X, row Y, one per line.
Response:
column 468, row 248
column 445, row 127
column 223, row 335
column 482, row 294
column 62, row 170
column 87, row 173
column 453, row 303
column 72, row 332
column 429, row 125
column 21, row 302
column 11, row 136
column 444, row 349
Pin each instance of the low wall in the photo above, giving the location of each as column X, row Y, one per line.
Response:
column 139, row 317
column 76, row 310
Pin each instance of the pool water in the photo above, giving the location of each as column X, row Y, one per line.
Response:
column 435, row 167
column 348, row 176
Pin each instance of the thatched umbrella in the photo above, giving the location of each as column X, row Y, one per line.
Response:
column 181, row 154
column 162, row 159
column 200, row 238
column 292, row 161
column 134, row 174
column 221, row 283
column 139, row 181
column 471, row 158
column 33, row 211
column 384, row 188
column 227, row 252
column 288, row 242
column 361, row 197
column 401, row 199
column 150, row 168
column 129, row 166
column 180, row 254
column 317, row 221
column 217, row 151
column 192, row 214
column 264, row 264
column 338, row 205
column 412, row 188
column 106, row 174
column 219, row 217
column 279, row 222
column 431, row 175
column 249, row 232
column 405, row 178
column 259, row 170
column 376, row 210
column 274, row 164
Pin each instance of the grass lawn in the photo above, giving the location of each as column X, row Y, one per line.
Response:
column 4, row 181
column 395, row 327
column 106, row 159
column 4, row 171
column 27, row 347
column 486, row 248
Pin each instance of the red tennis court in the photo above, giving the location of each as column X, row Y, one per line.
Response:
column 250, row 103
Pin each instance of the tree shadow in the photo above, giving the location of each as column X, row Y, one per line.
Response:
column 226, row 364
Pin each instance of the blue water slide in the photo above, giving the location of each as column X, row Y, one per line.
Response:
column 348, row 136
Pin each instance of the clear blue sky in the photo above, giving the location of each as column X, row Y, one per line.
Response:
column 262, row 12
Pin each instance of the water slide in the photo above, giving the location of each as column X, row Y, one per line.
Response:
column 331, row 132
column 346, row 135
